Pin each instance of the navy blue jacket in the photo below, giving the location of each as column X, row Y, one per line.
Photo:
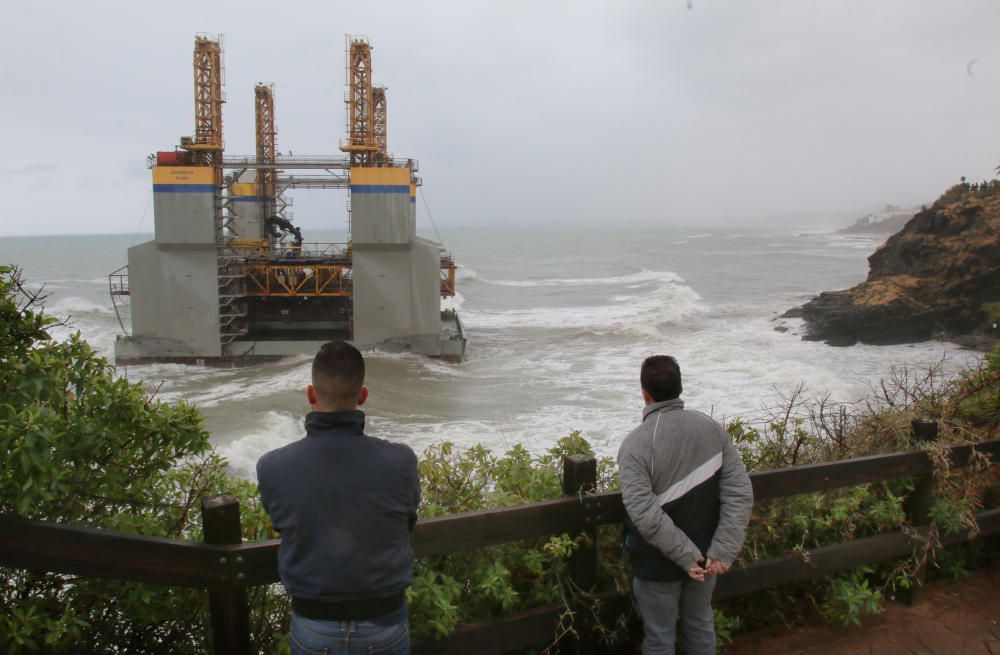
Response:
column 344, row 504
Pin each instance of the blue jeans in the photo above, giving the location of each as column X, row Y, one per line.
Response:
column 661, row 603
column 312, row 637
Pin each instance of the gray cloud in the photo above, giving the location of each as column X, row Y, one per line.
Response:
column 32, row 168
column 553, row 113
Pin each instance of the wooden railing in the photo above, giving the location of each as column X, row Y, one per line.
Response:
column 225, row 567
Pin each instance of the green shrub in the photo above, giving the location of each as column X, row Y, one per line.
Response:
column 474, row 585
column 851, row 597
column 85, row 448
column 992, row 311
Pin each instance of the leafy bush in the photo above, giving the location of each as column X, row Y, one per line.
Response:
column 802, row 431
column 86, row 448
column 992, row 310
column 478, row 584
column 850, row 598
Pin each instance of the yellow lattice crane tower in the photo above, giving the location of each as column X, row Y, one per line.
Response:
column 267, row 133
column 207, row 143
column 380, row 127
column 360, row 108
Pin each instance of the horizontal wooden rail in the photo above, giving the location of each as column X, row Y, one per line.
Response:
column 108, row 554
column 810, row 478
column 537, row 625
column 493, row 527
column 95, row 552
column 519, row 631
column 825, row 560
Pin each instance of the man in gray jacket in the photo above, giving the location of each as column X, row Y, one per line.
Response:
column 688, row 498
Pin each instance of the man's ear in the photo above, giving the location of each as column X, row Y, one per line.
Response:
column 311, row 394
column 647, row 398
column 362, row 396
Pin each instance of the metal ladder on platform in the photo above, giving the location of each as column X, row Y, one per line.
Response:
column 231, row 278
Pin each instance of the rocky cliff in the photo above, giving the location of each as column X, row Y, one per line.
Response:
column 937, row 277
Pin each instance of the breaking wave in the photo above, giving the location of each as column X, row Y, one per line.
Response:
column 212, row 387
column 454, row 302
column 657, row 298
column 634, row 278
column 465, row 273
column 76, row 306
column 275, row 429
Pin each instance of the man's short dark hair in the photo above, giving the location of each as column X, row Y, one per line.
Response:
column 661, row 378
column 338, row 373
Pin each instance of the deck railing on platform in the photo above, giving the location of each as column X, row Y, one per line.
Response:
column 225, row 567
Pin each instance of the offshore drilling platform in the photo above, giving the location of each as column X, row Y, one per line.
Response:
column 228, row 277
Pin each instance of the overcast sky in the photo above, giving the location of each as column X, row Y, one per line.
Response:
column 629, row 113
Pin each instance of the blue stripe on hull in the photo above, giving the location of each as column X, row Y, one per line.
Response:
column 184, row 188
column 380, row 188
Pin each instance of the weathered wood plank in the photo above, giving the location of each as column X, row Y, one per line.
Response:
column 918, row 506
column 93, row 552
column 579, row 479
column 258, row 562
column 98, row 553
column 534, row 628
column 228, row 608
column 442, row 535
column 447, row 534
column 826, row 560
column 860, row 470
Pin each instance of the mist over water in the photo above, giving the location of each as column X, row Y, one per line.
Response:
column 558, row 323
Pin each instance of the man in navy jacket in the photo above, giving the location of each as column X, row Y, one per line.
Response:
column 344, row 503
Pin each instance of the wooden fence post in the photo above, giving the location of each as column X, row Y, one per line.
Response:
column 580, row 477
column 230, row 613
column 918, row 506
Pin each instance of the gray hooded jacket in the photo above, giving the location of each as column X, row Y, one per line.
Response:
column 686, row 492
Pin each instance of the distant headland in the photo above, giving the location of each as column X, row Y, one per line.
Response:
column 888, row 220
column 937, row 277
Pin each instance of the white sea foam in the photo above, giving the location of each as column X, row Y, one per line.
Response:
column 870, row 241
column 455, row 302
column 631, row 278
column 463, row 273
column 76, row 306
column 418, row 363
column 66, row 282
column 211, row 387
column 665, row 300
column 274, row 430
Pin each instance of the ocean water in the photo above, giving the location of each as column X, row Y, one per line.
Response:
column 558, row 322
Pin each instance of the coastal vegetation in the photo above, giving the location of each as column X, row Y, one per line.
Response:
column 83, row 446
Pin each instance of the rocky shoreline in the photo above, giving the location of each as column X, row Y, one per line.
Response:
column 938, row 277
